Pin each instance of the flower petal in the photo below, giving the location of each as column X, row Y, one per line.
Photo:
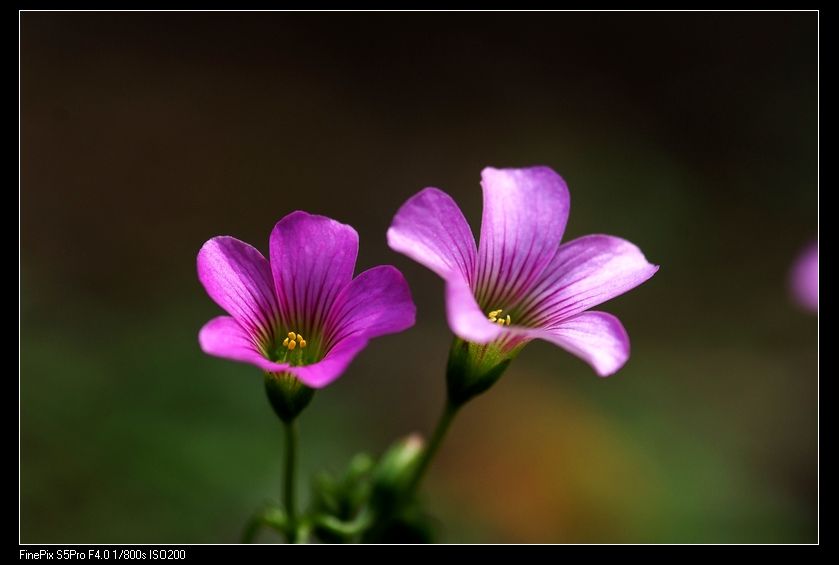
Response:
column 239, row 279
column 376, row 302
column 332, row 366
column 430, row 229
column 595, row 337
column 466, row 319
column 225, row 337
column 525, row 211
column 312, row 258
column 584, row 272
column 804, row 278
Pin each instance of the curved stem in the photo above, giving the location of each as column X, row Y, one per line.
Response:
column 348, row 529
column 288, row 483
column 446, row 419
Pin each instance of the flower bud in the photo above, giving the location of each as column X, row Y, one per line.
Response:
column 394, row 472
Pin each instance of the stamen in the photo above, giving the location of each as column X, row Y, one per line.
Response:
column 293, row 340
column 495, row 317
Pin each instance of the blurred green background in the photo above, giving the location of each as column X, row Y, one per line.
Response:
column 693, row 135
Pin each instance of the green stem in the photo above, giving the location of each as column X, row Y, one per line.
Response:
column 446, row 419
column 347, row 529
column 288, row 486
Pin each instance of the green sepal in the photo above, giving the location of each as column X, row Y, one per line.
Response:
column 287, row 395
column 473, row 368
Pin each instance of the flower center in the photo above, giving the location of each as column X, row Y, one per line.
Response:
column 293, row 350
column 495, row 316
column 293, row 340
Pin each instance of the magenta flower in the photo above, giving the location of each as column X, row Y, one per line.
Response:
column 804, row 278
column 520, row 283
column 302, row 313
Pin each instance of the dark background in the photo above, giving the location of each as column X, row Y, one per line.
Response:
column 693, row 135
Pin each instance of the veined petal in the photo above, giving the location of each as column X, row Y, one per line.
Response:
column 466, row 319
column 376, row 302
column 225, row 337
column 332, row 365
column 312, row 258
column 584, row 272
column 239, row 279
column 430, row 229
column 595, row 337
column 525, row 212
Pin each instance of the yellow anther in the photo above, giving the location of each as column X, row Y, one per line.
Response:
column 495, row 316
column 293, row 340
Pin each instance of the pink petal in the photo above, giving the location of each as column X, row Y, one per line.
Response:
column 332, row 365
column 466, row 319
column 525, row 211
column 239, row 279
column 376, row 302
column 312, row 258
column 804, row 278
column 430, row 229
column 225, row 337
column 584, row 272
column 595, row 337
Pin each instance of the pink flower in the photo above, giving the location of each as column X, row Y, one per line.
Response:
column 804, row 278
column 302, row 313
column 520, row 283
